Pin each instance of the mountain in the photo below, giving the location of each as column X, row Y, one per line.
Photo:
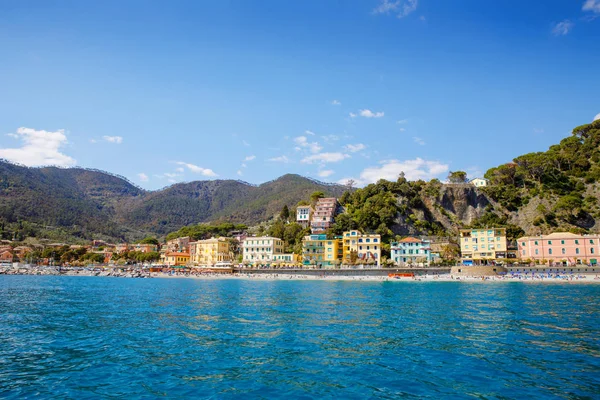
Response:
column 534, row 193
column 83, row 203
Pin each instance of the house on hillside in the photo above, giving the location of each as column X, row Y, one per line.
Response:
column 479, row 182
column 324, row 215
column 303, row 214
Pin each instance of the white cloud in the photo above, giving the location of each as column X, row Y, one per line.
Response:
column 196, row 169
column 325, row 173
column 239, row 172
column 93, row 141
column 592, row 5
column 12, row 135
column 419, row 141
column 245, row 143
column 562, row 28
column 143, row 177
column 244, row 165
column 370, row 114
column 179, row 169
column 249, row 158
column 390, row 169
column 303, row 142
column 353, row 148
column 336, row 103
column 597, row 117
column 402, row 121
column 401, row 8
column 282, row 159
column 113, row 139
column 171, row 175
column 311, row 133
column 39, row 148
column 402, row 129
column 325, row 158
column 352, row 115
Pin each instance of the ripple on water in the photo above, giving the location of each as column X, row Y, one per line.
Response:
column 77, row 337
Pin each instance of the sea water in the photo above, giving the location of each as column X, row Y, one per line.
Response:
column 88, row 337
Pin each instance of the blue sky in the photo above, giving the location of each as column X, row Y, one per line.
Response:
column 163, row 92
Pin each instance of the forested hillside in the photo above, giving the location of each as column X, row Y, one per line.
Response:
column 535, row 193
column 70, row 204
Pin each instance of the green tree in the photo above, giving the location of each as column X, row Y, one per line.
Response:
column 316, row 196
column 457, row 177
column 149, row 240
column 285, row 213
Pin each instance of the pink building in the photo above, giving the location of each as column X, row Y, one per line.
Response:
column 560, row 248
column 324, row 214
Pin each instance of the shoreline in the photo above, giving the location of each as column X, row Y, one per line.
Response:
column 580, row 278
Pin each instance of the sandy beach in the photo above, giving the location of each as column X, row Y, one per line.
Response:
column 274, row 276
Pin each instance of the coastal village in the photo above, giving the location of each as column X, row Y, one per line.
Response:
column 322, row 250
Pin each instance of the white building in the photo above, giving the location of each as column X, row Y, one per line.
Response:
column 261, row 250
column 303, row 215
column 479, row 182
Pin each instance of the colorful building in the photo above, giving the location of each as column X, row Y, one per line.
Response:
column 482, row 246
column 359, row 248
column 411, row 251
column 318, row 250
column 176, row 259
column 262, row 250
column 560, row 248
column 211, row 252
column 144, row 247
column 303, row 214
column 178, row 244
column 324, row 215
column 6, row 258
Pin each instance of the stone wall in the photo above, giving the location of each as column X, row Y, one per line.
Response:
column 478, row 270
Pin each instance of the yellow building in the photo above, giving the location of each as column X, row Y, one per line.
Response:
column 482, row 246
column 211, row 252
column 176, row 259
column 359, row 248
column 318, row 250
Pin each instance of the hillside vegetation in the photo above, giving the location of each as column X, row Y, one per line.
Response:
column 535, row 193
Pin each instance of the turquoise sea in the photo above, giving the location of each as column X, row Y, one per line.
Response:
column 79, row 337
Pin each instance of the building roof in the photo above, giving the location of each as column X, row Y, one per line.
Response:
column 177, row 254
column 410, row 240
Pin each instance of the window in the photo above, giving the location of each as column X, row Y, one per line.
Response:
column 576, row 241
column 562, row 242
column 536, row 252
column 577, row 251
column 466, row 246
column 592, row 250
column 523, row 252
column 549, row 251
column 549, row 241
column 564, row 251
column 374, row 240
column 591, row 241
column 536, row 243
column 368, row 240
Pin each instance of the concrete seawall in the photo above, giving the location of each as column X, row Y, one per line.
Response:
column 345, row 272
